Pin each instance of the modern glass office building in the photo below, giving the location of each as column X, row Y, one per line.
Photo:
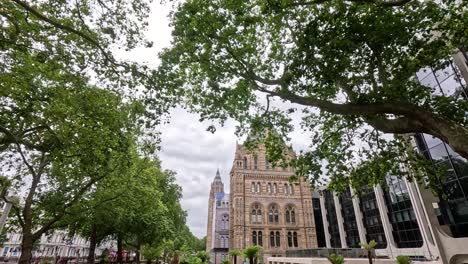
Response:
column 453, row 201
column 403, row 217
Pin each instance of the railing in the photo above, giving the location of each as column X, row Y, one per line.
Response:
column 324, row 252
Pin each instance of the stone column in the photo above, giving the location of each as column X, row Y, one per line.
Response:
column 339, row 217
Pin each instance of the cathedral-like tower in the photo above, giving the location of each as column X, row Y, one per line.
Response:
column 217, row 186
column 266, row 209
column 217, row 236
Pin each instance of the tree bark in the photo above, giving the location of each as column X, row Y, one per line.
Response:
column 119, row 250
column 369, row 256
column 137, row 252
column 92, row 245
column 26, row 246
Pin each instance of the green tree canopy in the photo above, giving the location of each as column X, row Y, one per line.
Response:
column 72, row 137
column 346, row 67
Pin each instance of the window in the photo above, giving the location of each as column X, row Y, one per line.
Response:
column 225, row 222
column 290, row 215
column 286, row 190
column 269, row 188
column 267, row 163
column 278, row 238
column 292, row 239
column 256, row 214
column 295, row 239
column 255, row 163
column 257, row 238
column 273, row 215
column 275, row 239
column 245, row 163
column 256, row 187
column 291, row 189
column 274, row 187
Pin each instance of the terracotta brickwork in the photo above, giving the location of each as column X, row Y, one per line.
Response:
column 265, row 208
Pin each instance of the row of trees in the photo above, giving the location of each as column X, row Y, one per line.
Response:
column 76, row 138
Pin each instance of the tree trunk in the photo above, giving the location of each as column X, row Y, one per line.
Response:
column 26, row 246
column 369, row 255
column 137, row 252
column 92, row 244
column 119, row 250
column 235, row 259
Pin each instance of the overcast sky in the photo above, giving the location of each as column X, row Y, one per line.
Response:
column 186, row 147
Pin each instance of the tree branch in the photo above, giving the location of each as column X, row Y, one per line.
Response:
column 69, row 29
column 389, row 3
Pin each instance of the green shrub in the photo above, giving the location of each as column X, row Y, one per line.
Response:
column 225, row 261
column 335, row 259
column 403, row 260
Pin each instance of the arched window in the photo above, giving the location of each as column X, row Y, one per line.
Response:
column 255, row 163
column 290, row 215
column 295, row 239
column 278, row 238
column 290, row 240
column 274, row 187
column 256, row 214
column 257, row 238
column 273, row 215
column 269, row 188
column 257, row 187
column 272, row 239
column 286, row 190
column 291, row 189
column 253, row 187
column 245, row 163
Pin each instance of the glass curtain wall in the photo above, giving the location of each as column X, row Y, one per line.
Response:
column 349, row 219
column 405, row 228
column 319, row 228
column 371, row 217
column 332, row 219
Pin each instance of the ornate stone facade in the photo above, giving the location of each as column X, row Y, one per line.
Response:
column 217, row 237
column 267, row 209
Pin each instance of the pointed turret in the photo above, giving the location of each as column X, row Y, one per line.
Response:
column 217, row 185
